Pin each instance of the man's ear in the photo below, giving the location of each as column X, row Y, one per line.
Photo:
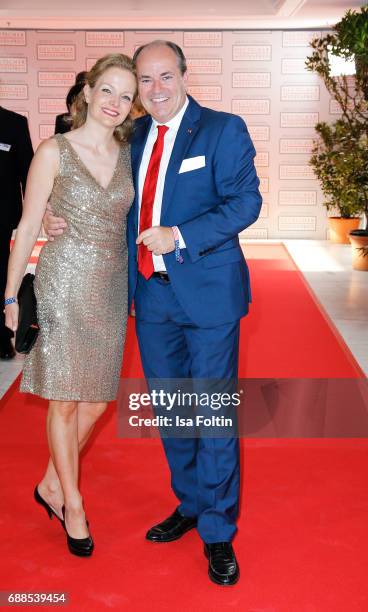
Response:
column 185, row 77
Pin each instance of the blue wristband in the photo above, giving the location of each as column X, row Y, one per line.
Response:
column 11, row 300
column 178, row 256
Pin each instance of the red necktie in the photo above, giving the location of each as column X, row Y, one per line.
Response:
column 145, row 261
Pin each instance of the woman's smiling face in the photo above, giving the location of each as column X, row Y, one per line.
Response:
column 110, row 100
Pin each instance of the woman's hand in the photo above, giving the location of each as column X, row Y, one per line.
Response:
column 11, row 316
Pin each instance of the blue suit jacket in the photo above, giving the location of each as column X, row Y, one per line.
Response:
column 210, row 205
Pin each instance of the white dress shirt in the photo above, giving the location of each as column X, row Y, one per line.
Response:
column 169, row 140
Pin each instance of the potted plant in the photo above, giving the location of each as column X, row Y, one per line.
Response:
column 352, row 43
column 334, row 161
column 340, row 154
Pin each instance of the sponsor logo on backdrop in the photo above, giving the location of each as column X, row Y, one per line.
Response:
column 202, row 39
column 251, row 79
column 12, row 38
column 262, row 159
column 51, row 106
column 205, row 92
column 252, row 53
column 56, row 78
column 13, row 91
column 298, row 224
column 13, row 64
column 56, row 52
column 259, row 133
column 301, row 172
column 297, row 198
column 204, row 66
column 296, row 145
column 299, row 93
column 251, row 107
column 105, row 39
column 295, row 120
column 298, row 39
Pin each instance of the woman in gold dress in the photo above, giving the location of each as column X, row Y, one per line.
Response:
column 81, row 280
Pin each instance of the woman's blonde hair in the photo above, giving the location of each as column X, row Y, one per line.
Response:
column 79, row 112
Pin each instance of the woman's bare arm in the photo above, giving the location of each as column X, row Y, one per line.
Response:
column 41, row 175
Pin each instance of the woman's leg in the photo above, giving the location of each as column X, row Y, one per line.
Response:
column 69, row 426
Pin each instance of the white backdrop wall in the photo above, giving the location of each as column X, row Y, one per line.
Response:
column 259, row 75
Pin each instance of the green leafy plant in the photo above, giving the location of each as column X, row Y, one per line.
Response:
column 340, row 154
column 352, row 43
column 340, row 162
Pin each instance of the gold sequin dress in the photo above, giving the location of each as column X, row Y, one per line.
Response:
column 81, row 285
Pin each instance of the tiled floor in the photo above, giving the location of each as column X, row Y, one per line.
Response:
column 342, row 292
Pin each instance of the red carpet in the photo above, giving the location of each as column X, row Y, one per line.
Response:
column 302, row 541
column 286, row 333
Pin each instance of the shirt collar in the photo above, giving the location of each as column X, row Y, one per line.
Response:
column 175, row 122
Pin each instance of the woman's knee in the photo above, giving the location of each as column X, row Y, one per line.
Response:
column 92, row 409
column 65, row 410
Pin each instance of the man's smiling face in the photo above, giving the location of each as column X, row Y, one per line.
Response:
column 161, row 85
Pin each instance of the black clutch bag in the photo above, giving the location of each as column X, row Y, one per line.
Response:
column 28, row 328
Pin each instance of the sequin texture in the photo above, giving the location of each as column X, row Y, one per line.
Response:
column 81, row 285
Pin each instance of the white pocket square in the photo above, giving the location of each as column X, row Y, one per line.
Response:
column 192, row 163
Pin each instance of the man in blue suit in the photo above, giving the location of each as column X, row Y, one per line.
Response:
column 196, row 189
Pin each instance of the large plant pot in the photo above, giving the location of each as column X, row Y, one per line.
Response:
column 359, row 244
column 340, row 228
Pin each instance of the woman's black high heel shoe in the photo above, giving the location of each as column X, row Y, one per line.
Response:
column 50, row 511
column 82, row 547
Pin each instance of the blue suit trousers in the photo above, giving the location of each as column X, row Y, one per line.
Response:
column 204, row 471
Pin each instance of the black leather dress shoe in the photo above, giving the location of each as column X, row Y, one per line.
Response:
column 223, row 567
column 6, row 350
column 171, row 528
